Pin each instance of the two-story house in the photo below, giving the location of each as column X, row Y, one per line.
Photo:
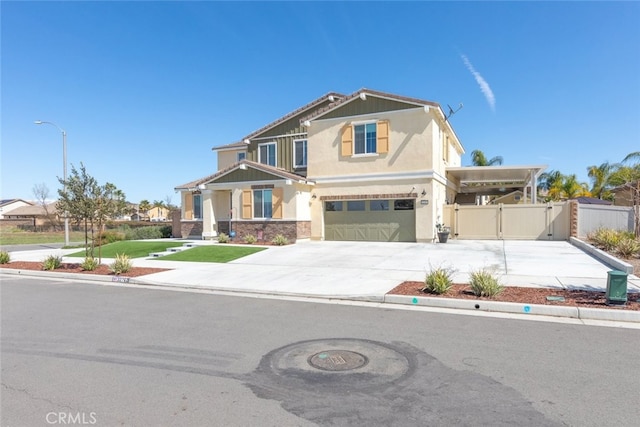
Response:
column 368, row 166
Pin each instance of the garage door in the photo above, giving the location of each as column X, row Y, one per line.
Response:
column 370, row 220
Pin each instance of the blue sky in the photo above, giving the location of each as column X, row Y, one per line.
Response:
column 146, row 89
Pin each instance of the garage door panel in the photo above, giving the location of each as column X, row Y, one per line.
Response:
column 380, row 226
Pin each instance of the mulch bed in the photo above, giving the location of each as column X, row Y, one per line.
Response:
column 102, row 269
column 578, row 298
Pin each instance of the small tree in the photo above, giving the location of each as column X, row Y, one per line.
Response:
column 88, row 203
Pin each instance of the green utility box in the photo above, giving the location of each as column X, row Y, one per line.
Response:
column 616, row 288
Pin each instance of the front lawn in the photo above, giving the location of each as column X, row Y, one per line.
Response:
column 131, row 248
column 212, row 253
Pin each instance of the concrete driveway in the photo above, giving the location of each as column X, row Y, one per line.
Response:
column 368, row 270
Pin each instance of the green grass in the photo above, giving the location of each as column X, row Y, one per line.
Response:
column 131, row 248
column 19, row 237
column 213, row 253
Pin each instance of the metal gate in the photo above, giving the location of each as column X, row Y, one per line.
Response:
column 508, row 222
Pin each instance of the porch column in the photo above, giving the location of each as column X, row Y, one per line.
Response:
column 208, row 215
column 534, row 188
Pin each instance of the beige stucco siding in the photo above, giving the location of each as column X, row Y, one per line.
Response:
column 227, row 158
column 410, row 145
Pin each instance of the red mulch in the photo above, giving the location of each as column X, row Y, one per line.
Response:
column 524, row 295
column 76, row 268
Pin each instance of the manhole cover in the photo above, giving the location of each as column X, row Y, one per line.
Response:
column 338, row 360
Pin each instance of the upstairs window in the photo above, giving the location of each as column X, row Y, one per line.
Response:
column 267, row 154
column 300, row 153
column 242, row 155
column 365, row 138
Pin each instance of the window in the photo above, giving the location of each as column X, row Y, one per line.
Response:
column 332, row 206
column 364, row 138
column 300, row 153
column 197, row 206
column 379, row 205
column 262, row 204
column 355, row 205
column 403, row 205
column 267, row 154
column 242, row 155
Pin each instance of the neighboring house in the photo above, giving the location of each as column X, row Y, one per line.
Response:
column 7, row 205
column 369, row 166
column 158, row 214
column 513, row 198
column 623, row 195
column 591, row 201
column 35, row 214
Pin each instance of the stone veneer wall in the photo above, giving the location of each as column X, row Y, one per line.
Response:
column 292, row 230
column 573, row 219
column 191, row 229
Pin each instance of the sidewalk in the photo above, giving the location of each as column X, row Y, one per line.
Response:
column 367, row 271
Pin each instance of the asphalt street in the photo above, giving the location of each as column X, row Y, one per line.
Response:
column 126, row 356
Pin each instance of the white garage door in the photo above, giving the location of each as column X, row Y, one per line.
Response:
column 370, row 220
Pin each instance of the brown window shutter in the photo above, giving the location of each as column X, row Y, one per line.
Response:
column 347, row 140
column 246, row 204
column 276, row 200
column 188, row 206
column 383, row 136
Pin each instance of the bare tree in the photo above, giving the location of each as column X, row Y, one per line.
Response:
column 41, row 194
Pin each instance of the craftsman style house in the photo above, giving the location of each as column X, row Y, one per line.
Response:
column 368, row 166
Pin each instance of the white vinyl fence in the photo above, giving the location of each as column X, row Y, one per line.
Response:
column 592, row 217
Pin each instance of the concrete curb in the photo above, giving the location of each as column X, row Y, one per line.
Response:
column 426, row 301
column 509, row 307
column 602, row 256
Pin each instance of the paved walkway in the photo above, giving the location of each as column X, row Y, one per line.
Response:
column 367, row 270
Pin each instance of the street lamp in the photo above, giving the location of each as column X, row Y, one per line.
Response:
column 64, row 172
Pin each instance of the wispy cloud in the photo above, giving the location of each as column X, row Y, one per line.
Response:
column 484, row 86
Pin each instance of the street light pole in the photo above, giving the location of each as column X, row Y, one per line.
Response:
column 64, row 173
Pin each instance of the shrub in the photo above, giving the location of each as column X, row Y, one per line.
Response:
column 109, row 236
column 4, row 257
column 438, row 280
column 484, row 283
column 250, row 239
column 627, row 247
column 223, row 238
column 166, row 231
column 280, row 240
column 605, row 238
column 52, row 262
column 122, row 264
column 89, row 264
column 142, row 233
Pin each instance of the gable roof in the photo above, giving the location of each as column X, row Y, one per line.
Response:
column 280, row 173
column 5, row 202
column 32, row 210
column 313, row 104
column 364, row 92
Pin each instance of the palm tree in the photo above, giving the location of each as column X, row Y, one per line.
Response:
column 479, row 159
column 546, row 180
column 600, row 177
column 571, row 188
column 144, row 207
column 632, row 156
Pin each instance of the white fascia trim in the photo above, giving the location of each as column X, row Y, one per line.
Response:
column 280, row 136
column 244, row 184
column 232, row 149
column 367, row 117
column 430, row 174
